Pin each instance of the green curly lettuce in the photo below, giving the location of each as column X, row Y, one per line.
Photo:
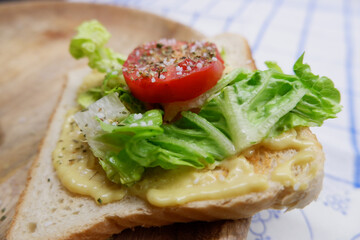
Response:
column 266, row 103
column 90, row 42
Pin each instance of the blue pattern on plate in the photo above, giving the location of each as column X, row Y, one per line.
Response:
column 259, row 223
column 338, row 202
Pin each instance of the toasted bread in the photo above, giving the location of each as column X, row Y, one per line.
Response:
column 47, row 210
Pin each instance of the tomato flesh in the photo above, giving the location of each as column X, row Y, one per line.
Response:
column 170, row 70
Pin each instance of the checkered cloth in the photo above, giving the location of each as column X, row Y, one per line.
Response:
column 279, row 30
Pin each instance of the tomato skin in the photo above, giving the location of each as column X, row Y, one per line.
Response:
column 168, row 85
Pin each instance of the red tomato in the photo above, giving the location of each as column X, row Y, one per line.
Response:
column 170, row 70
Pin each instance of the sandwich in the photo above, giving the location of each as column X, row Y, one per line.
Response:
column 175, row 132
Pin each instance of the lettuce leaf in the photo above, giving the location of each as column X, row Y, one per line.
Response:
column 108, row 108
column 90, row 42
column 111, row 84
column 274, row 66
column 320, row 102
column 267, row 103
column 146, row 136
column 120, row 169
column 85, row 99
column 143, row 144
column 249, row 108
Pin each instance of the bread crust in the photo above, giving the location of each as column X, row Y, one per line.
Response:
column 36, row 160
column 100, row 222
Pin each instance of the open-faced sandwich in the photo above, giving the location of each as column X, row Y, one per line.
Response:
column 175, row 132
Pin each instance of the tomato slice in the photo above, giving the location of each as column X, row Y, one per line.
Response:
column 169, row 70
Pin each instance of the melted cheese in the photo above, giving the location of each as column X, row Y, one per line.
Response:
column 78, row 169
column 232, row 177
column 285, row 172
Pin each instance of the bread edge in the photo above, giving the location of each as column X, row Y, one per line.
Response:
column 36, row 160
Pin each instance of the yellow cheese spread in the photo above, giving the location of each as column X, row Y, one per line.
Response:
column 229, row 178
column 80, row 172
column 286, row 172
column 78, row 169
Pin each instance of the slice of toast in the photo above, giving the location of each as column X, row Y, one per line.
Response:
column 46, row 210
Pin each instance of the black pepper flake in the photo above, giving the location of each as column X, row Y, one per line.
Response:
column 84, row 151
column 75, row 141
column 159, row 45
column 99, row 200
column 71, row 161
column 2, row 218
column 48, row 179
column 3, row 210
column 93, row 175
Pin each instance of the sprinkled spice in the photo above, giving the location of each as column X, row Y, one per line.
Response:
column 94, row 176
column 152, row 59
column 2, row 218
